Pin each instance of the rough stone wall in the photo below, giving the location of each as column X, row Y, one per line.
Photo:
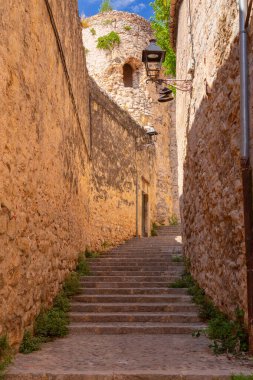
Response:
column 44, row 166
column 140, row 101
column 117, row 161
column 208, row 134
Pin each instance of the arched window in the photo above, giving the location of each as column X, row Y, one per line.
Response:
column 128, row 75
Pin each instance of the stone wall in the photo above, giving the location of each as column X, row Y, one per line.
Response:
column 122, row 168
column 208, row 135
column 140, row 100
column 44, row 165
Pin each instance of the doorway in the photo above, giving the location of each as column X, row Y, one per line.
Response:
column 144, row 214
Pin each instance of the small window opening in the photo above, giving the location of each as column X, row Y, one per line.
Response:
column 128, row 75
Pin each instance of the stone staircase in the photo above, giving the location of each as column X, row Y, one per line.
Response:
column 128, row 324
column 128, row 290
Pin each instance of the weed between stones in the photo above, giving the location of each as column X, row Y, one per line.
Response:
column 53, row 323
column 154, row 229
column 227, row 335
column 177, row 259
column 5, row 355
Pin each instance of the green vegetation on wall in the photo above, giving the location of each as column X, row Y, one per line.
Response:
column 160, row 24
column 108, row 41
column 105, row 6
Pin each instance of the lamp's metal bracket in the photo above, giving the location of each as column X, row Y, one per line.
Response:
column 184, row 85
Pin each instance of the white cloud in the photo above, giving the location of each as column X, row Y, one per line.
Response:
column 118, row 4
column 138, row 7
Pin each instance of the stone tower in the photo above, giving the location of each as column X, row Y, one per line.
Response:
column 122, row 75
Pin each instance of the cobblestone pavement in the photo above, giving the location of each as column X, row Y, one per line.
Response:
column 107, row 357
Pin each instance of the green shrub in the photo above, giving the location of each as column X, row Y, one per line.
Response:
column 108, row 41
column 173, row 220
column 30, row 343
column 177, row 259
column 52, row 323
column 82, row 266
column 242, row 377
column 72, row 284
column 106, row 245
column 105, row 6
column 226, row 335
column 185, row 281
column 91, row 254
column 154, row 229
column 5, row 355
column 127, row 27
column 93, row 32
column 61, row 302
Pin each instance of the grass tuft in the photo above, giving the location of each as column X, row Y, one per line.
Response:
column 5, row 355
column 82, row 266
column 227, row 336
column 51, row 323
column 177, row 259
column 30, row 343
column 154, row 229
column 173, row 220
column 72, row 284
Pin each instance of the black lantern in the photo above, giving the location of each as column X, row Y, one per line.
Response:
column 153, row 57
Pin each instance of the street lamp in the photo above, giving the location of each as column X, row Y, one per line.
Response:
column 153, row 57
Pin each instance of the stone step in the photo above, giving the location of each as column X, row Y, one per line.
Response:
column 135, row 265
column 129, row 291
column 148, row 273
column 136, row 260
column 135, row 328
column 133, row 260
column 155, row 257
column 165, row 279
column 166, row 298
column 121, row 284
column 135, row 317
column 132, row 307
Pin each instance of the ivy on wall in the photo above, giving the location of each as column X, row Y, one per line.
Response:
column 108, row 41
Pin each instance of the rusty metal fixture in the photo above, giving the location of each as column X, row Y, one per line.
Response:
column 184, row 85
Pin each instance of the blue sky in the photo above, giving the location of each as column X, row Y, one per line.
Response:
column 141, row 7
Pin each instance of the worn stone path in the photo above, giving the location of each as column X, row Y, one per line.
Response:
column 127, row 323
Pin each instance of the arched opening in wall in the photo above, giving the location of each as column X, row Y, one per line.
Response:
column 128, row 75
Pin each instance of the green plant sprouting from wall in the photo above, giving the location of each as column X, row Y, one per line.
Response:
column 127, row 27
column 93, row 31
column 160, row 24
column 105, row 6
column 5, row 355
column 108, row 41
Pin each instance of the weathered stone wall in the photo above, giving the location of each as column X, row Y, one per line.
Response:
column 121, row 170
column 208, row 134
column 140, row 100
column 44, row 166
